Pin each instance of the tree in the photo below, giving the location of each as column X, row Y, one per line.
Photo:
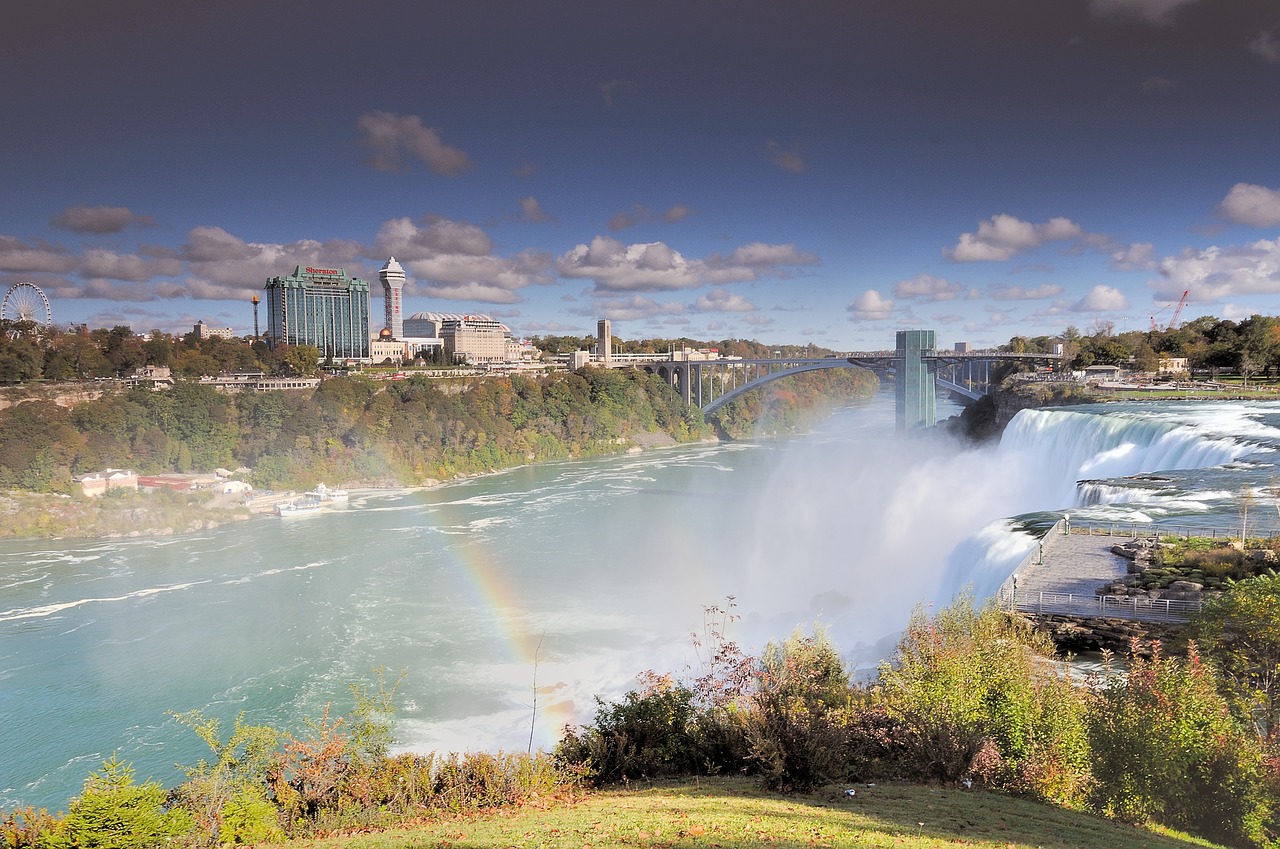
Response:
column 115, row 813
column 1240, row 632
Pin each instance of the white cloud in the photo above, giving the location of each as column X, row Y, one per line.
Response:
column 1156, row 12
column 635, row 307
column 16, row 255
column 454, row 260
column 1266, row 47
column 532, row 211
column 1017, row 293
column 763, row 255
column 641, row 213
column 787, row 160
column 1251, row 204
column 657, row 267
column 927, row 287
column 869, row 306
column 1005, row 236
column 392, row 138
column 616, row 267
column 223, row 265
column 1157, row 83
column 104, row 263
column 677, row 212
column 722, row 300
column 1137, row 256
column 1215, row 273
column 98, row 219
column 1101, row 299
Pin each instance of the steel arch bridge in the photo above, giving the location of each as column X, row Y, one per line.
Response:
column 917, row 370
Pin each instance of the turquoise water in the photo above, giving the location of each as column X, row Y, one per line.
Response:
column 568, row 577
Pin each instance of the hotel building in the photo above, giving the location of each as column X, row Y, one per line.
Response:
column 322, row 307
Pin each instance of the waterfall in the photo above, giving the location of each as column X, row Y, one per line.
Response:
column 1052, row 460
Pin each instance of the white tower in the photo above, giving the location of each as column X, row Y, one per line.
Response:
column 392, row 276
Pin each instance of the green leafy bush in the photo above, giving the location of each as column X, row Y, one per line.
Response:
column 974, row 695
column 646, row 735
column 1167, row 749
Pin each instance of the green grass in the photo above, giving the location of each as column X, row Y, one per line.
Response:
column 733, row 813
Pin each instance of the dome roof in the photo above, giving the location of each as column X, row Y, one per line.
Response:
column 392, row 265
column 384, row 333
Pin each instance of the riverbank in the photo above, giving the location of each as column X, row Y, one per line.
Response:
column 161, row 513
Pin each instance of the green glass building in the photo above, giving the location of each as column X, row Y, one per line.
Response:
column 322, row 307
column 914, row 380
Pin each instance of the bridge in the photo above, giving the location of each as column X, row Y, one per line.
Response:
column 918, row 370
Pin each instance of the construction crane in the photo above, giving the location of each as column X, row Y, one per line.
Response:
column 1173, row 322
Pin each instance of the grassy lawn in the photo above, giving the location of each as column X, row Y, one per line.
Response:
column 735, row 813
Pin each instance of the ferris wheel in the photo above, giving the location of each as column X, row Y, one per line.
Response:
column 26, row 302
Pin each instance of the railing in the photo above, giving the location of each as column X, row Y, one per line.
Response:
column 1130, row 607
column 1118, row 606
column 1035, row 556
column 1133, row 531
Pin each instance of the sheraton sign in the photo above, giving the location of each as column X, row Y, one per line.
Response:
column 332, row 272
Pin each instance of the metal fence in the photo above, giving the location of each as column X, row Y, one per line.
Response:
column 1157, row 532
column 1115, row 606
column 1112, row 606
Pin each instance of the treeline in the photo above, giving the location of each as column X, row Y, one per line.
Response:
column 1247, row 347
column 348, row 429
column 971, row 698
column 31, row 352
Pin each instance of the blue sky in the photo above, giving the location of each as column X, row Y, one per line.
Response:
column 825, row 172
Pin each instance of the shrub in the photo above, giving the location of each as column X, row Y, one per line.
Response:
column 1166, row 749
column 226, row 797
column 115, row 813
column 646, row 735
column 25, row 828
column 969, row 682
column 795, row 727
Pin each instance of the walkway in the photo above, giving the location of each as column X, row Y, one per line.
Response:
column 1065, row 579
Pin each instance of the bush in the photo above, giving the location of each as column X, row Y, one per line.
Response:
column 795, row 727
column 646, row 735
column 970, row 682
column 227, row 797
column 25, row 828
column 1166, row 749
column 115, row 813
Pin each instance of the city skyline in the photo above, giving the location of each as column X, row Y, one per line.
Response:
column 824, row 172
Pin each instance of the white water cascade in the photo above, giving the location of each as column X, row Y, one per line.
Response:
column 1059, row 460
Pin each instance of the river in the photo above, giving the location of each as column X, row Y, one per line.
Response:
column 569, row 577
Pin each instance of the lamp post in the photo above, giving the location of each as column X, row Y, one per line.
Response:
column 1013, row 601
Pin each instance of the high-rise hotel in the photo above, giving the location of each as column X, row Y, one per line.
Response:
column 322, row 307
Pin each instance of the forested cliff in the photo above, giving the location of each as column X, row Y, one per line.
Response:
column 360, row 431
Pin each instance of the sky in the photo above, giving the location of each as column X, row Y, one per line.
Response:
column 812, row 171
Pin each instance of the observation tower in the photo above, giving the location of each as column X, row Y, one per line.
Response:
column 392, row 277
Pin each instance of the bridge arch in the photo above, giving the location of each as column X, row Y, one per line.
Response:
column 738, row 391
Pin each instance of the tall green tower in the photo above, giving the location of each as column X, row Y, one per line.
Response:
column 914, row 380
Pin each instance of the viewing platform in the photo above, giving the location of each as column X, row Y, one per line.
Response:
column 1061, row 575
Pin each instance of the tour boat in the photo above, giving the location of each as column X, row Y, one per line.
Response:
column 322, row 493
column 292, row 509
